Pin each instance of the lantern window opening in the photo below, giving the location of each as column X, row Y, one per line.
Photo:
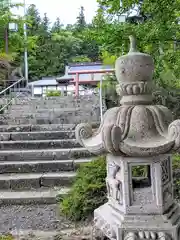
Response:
column 141, row 176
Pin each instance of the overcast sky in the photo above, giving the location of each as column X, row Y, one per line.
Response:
column 67, row 10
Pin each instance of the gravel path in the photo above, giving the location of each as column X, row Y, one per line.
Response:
column 35, row 217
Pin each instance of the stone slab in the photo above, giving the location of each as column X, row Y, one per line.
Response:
column 46, row 154
column 15, row 128
column 36, row 166
column 50, row 105
column 39, row 144
column 4, row 184
column 46, row 196
column 5, row 136
column 35, row 180
column 55, row 100
column 41, row 166
column 53, row 127
column 59, row 127
column 50, row 135
column 52, row 119
column 41, row 127
column 57, row 179
column 24, row 181
column 60, row 119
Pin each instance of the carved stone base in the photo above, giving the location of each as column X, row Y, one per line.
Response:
column 97, row 234
column 118, row 226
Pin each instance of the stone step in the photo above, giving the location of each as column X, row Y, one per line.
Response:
column 52, row 106
column 69, row 100
column 40, row 196
column 41, row 166
column 44, row 154
column 24, row 111
column 24, row 136
column 39, row 144
column 30, row 111
column 40, row 127
column 52, row 112
column 26, row 181
column 63, row 118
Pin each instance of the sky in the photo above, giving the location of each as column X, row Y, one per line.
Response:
column 67, row 10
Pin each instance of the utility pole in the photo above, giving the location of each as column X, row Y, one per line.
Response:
column 25, row 48
column 5, row 5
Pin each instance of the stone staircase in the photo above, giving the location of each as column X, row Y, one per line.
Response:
column 39, row 161
column 52, row 110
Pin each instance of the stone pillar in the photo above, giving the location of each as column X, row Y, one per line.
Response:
column 139, row 138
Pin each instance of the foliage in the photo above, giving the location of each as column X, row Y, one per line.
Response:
column 80, row 59
column 81, row 22
column 168, row 97
column 109, row 82
column 57, row 26
column 176, row 170
column 6, row 237
column 88, row 191
column 63, row 45
column 12, row 49
column 156, row 29
column 53, row 93
column 109, row 90
column 108, row 59
column 35, row 20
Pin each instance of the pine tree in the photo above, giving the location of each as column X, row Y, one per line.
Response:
column 35, row 20
column 57, row 26
column 45, row 23
column 81, row 22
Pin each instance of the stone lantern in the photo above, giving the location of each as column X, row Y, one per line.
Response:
column 136, row 136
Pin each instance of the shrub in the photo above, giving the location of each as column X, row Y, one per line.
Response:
column 176, row 175
column 53, row 93
column 88, row 191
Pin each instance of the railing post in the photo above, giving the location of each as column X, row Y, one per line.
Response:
column 100, row 100
column 77, row 85
column 32, row 90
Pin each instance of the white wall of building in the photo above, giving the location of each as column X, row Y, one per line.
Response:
column 41, row 91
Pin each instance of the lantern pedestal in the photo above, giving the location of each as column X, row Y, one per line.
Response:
column 140, row 200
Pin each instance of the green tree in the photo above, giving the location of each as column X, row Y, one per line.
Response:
column 61, row 48
column 81, row 22
column 14, row 40
column 157, row 30
column 45, row 23
column 57, row 26
column 34, row 19
column 156, row 27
